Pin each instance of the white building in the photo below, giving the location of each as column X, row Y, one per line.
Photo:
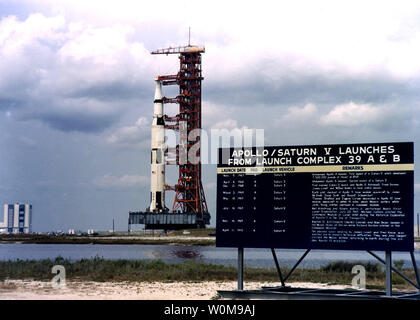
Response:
column 17, row 218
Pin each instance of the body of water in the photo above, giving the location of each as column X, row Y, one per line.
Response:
column 178, row 254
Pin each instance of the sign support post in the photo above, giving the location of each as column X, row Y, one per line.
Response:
column 388, row 271
column 416, row 271
column 277, row 267
column 240, row 269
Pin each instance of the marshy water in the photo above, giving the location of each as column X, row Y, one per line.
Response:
column 178, row 254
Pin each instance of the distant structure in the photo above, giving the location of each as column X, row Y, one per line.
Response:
column 17, row 218
column 189, row 209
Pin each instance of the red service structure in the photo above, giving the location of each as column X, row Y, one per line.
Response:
column 189, row 209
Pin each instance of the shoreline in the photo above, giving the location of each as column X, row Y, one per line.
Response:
column 188, row 237
column 146, row 240
column 126, row 240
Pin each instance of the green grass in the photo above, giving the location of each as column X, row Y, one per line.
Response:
column 99, row 269
column 346, row 267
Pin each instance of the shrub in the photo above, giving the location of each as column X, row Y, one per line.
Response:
column 346, row 266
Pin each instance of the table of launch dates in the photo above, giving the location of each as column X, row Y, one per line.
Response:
column 242, row 195
column 369, row 208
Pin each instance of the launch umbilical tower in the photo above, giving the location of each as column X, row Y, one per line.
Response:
column 189, row 208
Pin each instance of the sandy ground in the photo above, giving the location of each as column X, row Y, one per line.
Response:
column 42, row 290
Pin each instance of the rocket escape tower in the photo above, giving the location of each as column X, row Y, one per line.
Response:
column 189, row 209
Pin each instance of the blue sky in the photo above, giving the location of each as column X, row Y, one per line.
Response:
column 76, row 89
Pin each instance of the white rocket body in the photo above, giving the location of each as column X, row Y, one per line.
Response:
column 157, row 176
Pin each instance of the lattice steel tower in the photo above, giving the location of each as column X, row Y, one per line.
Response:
column 189, row 193
column 189, row 209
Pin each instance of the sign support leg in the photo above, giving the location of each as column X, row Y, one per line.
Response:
column 416, row 271
column 297, row 264
column 240, row 269
column 277, row 267
column 388, row 271
column 395, row 270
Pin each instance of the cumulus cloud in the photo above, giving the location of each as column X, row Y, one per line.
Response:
column 228, row 124
column 377, row 117
column 296, row 115
column 137, row 135
column 351, row 114
column 70, row 75
column 220, row 116
column 50, row 61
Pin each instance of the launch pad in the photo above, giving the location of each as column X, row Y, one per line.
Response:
column 169, row 221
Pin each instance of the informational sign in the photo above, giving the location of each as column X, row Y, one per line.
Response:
column 349, row 197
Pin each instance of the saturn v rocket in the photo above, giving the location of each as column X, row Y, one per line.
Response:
column 157, row 176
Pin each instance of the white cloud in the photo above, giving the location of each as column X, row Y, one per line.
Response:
column 296, row 115
column 352, row 114
column 218, row 116
column 356, row 36
column 71, row 75
column 82, row 53
column 124, row 181
column 15, row 35
column 102, row 45
column 103, row 55
column 372, row 119
column 213, row 113
column 137, row 135
column 228, row 124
